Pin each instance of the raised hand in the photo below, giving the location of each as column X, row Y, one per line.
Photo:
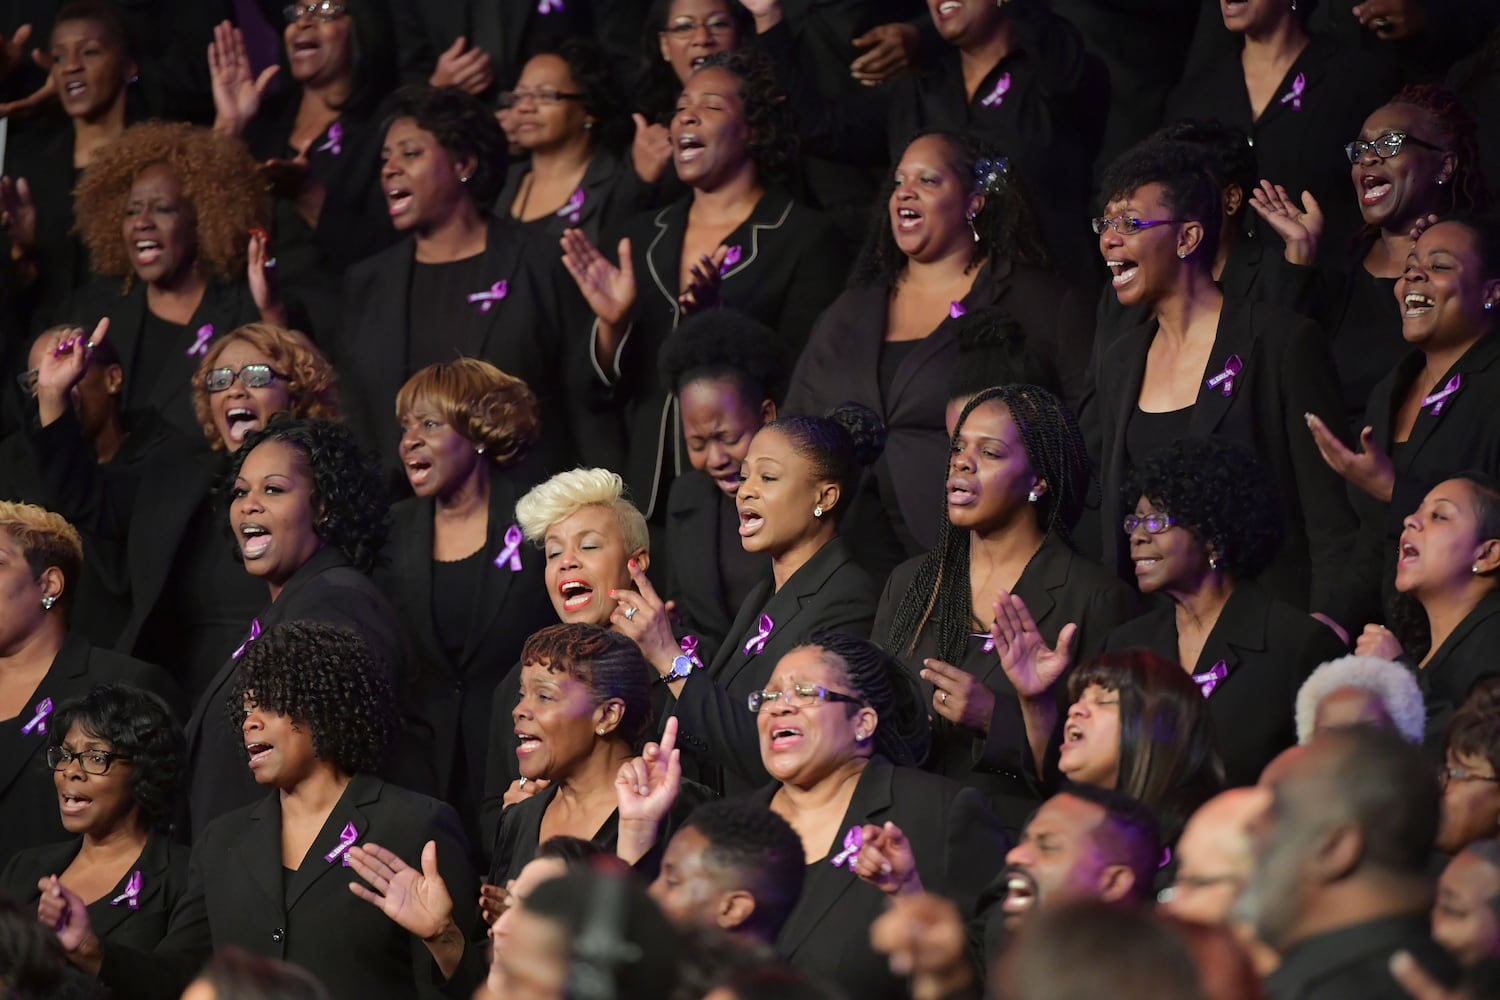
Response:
column 703, row 290
column 260, row 273
column 1299, row 227
column 1370, row 469
column 1378, row 641
column 522, row 789
column 13, row 51
column 62, row 368
column 647, row 785
column 651, row 151
column 416, row 900
column 923, row 939
column 1032, row 666
column 469, row 71
column 237, row 93
column 18, row 211
column 62, row 910
column 608, row 289
column 886, row 861
column 643, row 617
column 958, row 695
column 893, row 49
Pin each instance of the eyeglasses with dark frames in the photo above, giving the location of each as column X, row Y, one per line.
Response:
column 542, row 97
column 92, row 761
column 1125, row 225
column 1447, row 774
column 322, row 10
column 254, row 376
column 1386, row 145
column 800, row 696
column 1194, row 883
column 714, row 24
column 1155, row 523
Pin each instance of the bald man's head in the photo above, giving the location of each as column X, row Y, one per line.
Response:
column 1214, row 857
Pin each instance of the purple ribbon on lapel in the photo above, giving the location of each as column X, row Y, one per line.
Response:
column 1294, row 96
column 38, row 723
column 346, row 841
column 997, row 96
column 573, row 210
column 955, row 310
column 989, row 641
column 335, row 141
column 689, row 647
column 254, row 634
column 512, row 551
column 1166, row 858
column 1439, row 399
column 1210, row 678
column 757, row 641
column 731, row 257
column 200, row 342
column 487, row 298
column 131, row 896
column 1224, row 381
column 548, row 6
column 853, row 841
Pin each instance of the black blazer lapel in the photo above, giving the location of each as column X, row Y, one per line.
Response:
column 1487, row 608
column 257, row 852
column 768, row 216
column 732, row 657
column 114, row 908
column 664, row 254
column 496, row 579
column 1228, row 368
column 1478, row 357
column 1240, row 630
column 348, row 824
column 503, row 245
column 414, row 557
column 64, row 679
column 1127, row 358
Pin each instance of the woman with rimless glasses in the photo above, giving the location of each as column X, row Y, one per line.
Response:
column 1204, row 364
column 116, row 757
column 188, row 602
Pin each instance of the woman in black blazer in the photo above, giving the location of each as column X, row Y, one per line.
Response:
column 115, row 754
column 466, row 588
column 316, row 716
column 958, row 236
column 735, row 240
column 47, row 666
column 798, row 473
column 308, row 515
column 1204, row 527
column 1017, row 483
column 1207, row 365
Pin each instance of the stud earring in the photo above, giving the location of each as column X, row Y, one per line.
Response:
column 600, row 730
column 479, row 450
column 1474, row 568
column 588, row 126
column 1488, row 306
column 1182, row 255
column 818, row 511
column 1441, row 182
column 1213, row 562
column 464, row 179
column 1033, row 496
column 49, row 600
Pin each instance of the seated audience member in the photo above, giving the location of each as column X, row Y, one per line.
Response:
column 1340, row 880
column 1205, row 525
column 1466, row 915
column 1470, row 780
column 466, row 589
column 732, row 865
column 1361, row 691
column 116, row 756
column 555, row 857
column 724, row 369
column 233, row 974
column 43, row 665
column 317, row 715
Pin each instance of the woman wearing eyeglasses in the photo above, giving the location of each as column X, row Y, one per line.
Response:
column 43, row 664
column 1208, row 365
column 1470, row 780
column 116, row 756
column 188, row 603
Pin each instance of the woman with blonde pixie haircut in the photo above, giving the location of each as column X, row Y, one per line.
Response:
column 285, row 356
column 466, row 587
column 1361, row 690
column 42, row 665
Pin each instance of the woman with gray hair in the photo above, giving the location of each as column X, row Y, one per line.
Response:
column 1361, row 690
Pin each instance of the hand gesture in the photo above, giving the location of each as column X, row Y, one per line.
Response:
column 609, row 290
column 13, row 51
column 702, row 291
column 644, row 618
column 958, row 696
column 647, row 785
column 1370, row 469
column 260, row 272
column 893, row 49
column 237, row 94
column 63, row 911
column 1421, row 226
column 923, row 938
column 1299, row 228
column 886, row 861
column 18, row 211
column 1417, row 981
column 761, row 8
column 417, row 901
column 286, row 178
column 469, row 71
column 1391, row 20
column 493, row 901
column 1378, row 641
column 522, row 789
column 1032, row 666
column 651, row 151
column 63, row 367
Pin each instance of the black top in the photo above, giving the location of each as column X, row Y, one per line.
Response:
column 1148, row 432
column 740, row 572
column 1363, row 323
column 609, row 194
column 1466, row 658
column 160, row 339
column 893, row 354
column 439, row 302
column 453, row 587
column 1353, row 961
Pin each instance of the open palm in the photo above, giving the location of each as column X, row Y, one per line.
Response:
column 416, row 900
column 1032, row 665
column 609, row 289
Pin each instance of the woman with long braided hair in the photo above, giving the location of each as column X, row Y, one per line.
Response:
column 1018, row 478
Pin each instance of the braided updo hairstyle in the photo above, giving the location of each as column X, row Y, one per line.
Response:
column 1458, row 133
column 838, row 445
column 1054, row 449
column 903, row 734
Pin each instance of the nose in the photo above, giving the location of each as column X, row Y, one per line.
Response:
column 409, row 438
column 252, row 723
column 250, row 502
column 1110, row 239
column 1020, row 855
column 716, row 456
column 1077, row 710
column 568, row 558
column 962, row 461
column 701, row 34
column 1412, row 521
column 687, row 116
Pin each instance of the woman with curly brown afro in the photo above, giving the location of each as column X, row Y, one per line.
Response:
column 736, row 239
column 188, row 604
column 467, row 590
column 313, row 717
column 171, row 216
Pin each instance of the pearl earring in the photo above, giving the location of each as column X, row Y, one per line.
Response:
column 600, row 730
column 1488, row 306
column 818, row 511
column 1213, row 562
column 49, row 601
column 1474, row 568
column 479, row 450
column 973, row 230
column 1182, row 255
column 1033, row 496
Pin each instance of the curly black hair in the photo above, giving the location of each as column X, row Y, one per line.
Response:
column 1007, row 224
column 659, row 87
column 1185, row 172
column 773, row 144
column 1230, row 157
column 904, row 733
column 993, row 350
column 940, row 589
column 839, row 445
column 137, row 725
column 602, row 96
column 324, row 677
column 1221, row 492
column 725, row 343
column 760, row 850
column 464, row 127
column 606, row 662
column 353, row 514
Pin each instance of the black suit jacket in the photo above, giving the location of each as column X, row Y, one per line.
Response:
column 239, row 894
column 28, row 799
column 958, row 848
column 1467, row 657
column 829, row 591
column 1354, row 961
column 1287, row 372
column 1269, row 649
column 162, row 865
column 611, row 194
column 454, row 698
column 326, row 589
column 1059, row 586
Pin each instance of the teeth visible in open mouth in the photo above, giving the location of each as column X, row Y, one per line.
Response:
column 75, row 86
column 949, row 6
column 575, row 594
column 257, row 751
column 1408, row 550
column 698, row 61
column 1125, row 271
column 1416, row 303
column 1072, row 734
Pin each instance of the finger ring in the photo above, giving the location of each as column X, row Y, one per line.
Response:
column 1380, row 23
column 943, row 697
column 630, row 612
column 270, row 263
column 523, row 782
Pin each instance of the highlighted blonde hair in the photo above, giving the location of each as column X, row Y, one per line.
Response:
column 309, row 376
column 46, row 540
column 480, row 402
column 566, row 493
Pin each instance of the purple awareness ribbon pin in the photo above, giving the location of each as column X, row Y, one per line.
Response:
column 254, row 634
column 346, row 841
column 853, row 841
column 512, row 551
column 1210, row 678
column 731, row 257
column 1439, row 399
column 1224, row 381
column 757, row 641
column 689, row 646
column 573, row 210
column 548, row 6
column 955, row 310
column 131, row 896
column 200, row 342
column 38, row 723
column 487, row 298
column 997, row 96
column 1294, row 96
column 989, row 640
column 335, row 143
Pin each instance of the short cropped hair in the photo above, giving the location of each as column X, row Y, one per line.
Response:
column 566, row 493
column 1129, row 834
column 1387, row 680
column 484, row 404
column 46, row 539
column 604, row 661
column 761, row 850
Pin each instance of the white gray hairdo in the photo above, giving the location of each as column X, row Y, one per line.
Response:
column 1387, row 680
